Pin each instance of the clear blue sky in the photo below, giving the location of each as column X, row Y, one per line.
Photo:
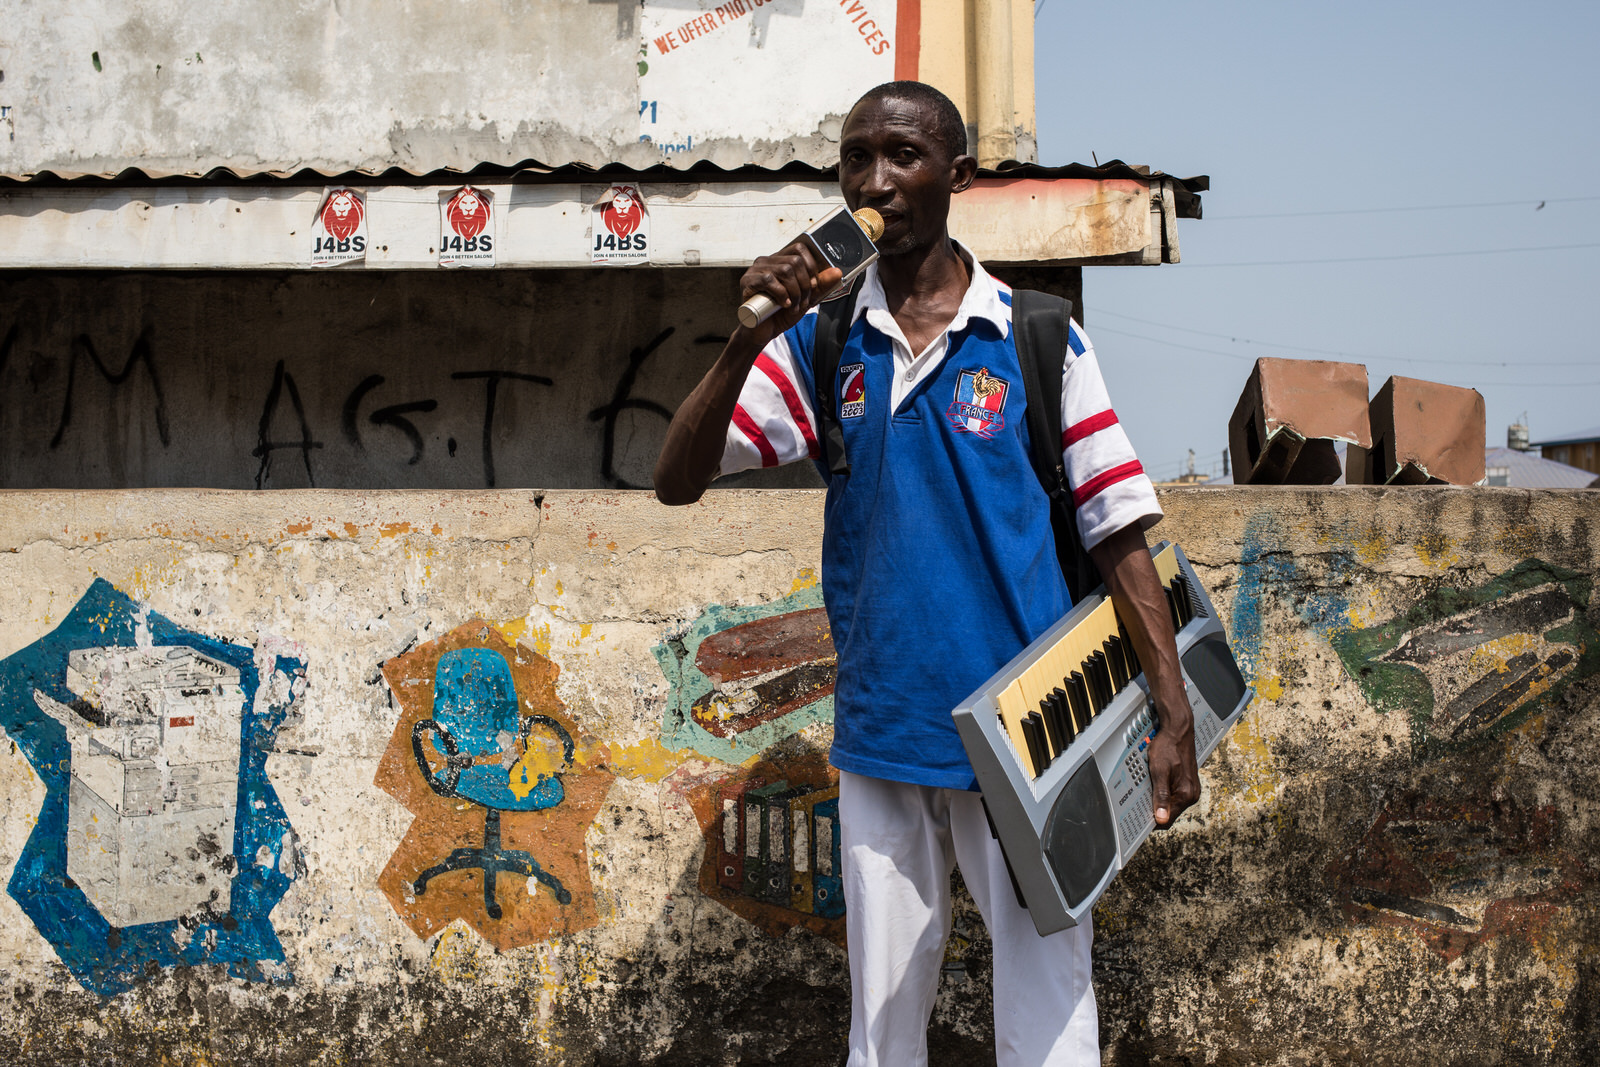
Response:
column 1295, row 108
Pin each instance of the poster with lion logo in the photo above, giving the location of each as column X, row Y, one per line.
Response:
column 339, row 232
column 620, row 226
column 466, row 228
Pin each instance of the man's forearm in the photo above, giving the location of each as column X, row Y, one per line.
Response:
column 1130, row 576
column 1124, row 561
column 699, row 431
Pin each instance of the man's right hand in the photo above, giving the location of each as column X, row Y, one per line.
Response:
column 794, row 279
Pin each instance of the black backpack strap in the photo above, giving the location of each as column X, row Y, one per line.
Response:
column 1041, row 322
column 834, row 319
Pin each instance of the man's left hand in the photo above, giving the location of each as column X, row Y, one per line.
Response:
column 1174, row 772
column 1123, row 558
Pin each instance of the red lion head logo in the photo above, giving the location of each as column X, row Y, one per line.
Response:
column 468, row 211
column 341, row 215
column 623, row 213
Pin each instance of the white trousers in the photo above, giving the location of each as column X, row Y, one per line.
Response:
column 899, row 844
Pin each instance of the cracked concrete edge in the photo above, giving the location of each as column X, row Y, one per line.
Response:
column 1392, row 524
column 725, row 523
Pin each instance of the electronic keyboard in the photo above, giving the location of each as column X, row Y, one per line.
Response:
column 1059, row 741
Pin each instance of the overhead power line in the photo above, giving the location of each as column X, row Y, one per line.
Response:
column 1406, row 255
column 1347, row 355
column 1534, row 202
column 1240, row 355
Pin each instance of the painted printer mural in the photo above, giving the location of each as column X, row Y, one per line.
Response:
column 160, row 839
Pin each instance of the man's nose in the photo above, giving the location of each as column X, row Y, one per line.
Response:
column 876, row 183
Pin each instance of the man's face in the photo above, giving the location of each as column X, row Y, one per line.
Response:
column 891, row 161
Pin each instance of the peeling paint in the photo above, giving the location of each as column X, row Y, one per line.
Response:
column 1371, row 877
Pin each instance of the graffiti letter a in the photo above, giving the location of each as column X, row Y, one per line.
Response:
column 265, row 446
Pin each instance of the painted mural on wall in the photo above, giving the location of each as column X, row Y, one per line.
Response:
column 1466, row 665
column 772, row 845
column 503, row 786
column 1469, row 670
column 1460, row 870
column 160, row 840
column 743, row 679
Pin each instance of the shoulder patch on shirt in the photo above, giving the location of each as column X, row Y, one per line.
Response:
column 852, row 390
column 980, row 403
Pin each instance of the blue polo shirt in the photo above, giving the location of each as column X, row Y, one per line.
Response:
column 938, row 562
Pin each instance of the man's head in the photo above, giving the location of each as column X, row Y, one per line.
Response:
column 903, row 152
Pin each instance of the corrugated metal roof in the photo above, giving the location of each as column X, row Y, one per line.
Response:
column 531, row 171
column 1524, row 470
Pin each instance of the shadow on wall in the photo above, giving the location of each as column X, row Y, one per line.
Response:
column 1333, row 887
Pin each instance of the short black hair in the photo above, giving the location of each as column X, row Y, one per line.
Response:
column 948, row 126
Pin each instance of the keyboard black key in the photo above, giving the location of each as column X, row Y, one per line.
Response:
column 1063, row 706
column 1114, row 660
column 1102, row 679
column 1172, row 609
column 1033, row 735
column 1134, row 670
column 1052, row 728
column 1091, row 680
column 1078, row 694
column 1185, row 604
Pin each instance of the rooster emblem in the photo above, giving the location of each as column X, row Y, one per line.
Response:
column 985, row 386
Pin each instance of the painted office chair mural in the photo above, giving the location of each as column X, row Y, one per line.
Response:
column 503, row 786
column 478, row 730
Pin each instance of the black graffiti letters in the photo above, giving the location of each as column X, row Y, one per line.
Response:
column 6, row 346
column 621, row 401
column 492, row 379
column 138, row 355
column 265, row 446
column 393, row 415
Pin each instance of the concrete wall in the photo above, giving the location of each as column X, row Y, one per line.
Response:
column 288, row 380
column 296, row 380
column 1392, row 863
column 185, row 86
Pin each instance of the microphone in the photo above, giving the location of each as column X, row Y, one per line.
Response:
column 842, row 240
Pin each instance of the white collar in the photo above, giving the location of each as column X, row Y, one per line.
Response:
column 982, row 299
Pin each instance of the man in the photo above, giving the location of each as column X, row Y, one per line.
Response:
column 938, row 567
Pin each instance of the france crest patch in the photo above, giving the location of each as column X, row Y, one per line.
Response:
column 979, row 406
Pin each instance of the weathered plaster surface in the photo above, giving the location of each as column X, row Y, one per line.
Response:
column 184, row 87
column 1372, row 876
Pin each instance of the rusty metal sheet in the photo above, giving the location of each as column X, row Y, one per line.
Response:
column 545, row 224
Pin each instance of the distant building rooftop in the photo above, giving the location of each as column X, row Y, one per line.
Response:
column 1524, row 470
column 1506, row 467
column 1571, row 439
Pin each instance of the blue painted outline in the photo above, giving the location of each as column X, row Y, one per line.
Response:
column 59, row 909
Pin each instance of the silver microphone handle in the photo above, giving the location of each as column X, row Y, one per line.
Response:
column 756, row 310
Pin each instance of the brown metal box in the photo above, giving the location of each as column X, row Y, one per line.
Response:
column 1289, row 417
column 1423, row 433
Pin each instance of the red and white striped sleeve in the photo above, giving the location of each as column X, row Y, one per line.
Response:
column 773, row 423
column 1109, row 486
